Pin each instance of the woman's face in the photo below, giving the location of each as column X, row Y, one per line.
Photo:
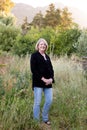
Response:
column 42, row 47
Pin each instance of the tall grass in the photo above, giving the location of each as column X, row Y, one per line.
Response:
column 69, row 108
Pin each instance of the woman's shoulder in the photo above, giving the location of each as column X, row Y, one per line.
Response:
column 34, row 54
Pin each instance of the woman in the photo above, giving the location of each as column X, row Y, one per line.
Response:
column 42, row 79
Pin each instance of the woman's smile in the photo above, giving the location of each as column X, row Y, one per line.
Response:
column 42, row 46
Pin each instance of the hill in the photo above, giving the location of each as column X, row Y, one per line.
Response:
column 21, row 10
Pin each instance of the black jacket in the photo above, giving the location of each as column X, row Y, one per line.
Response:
column 41, row 68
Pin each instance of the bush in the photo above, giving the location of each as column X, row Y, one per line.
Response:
column 8, row 20
column 81, row 44
column 8, row 36
column 64, row 41
column 23, row 45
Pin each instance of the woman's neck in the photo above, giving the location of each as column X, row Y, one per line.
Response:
column 42, row 52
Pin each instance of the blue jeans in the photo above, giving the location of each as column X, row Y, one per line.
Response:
column 37, row 100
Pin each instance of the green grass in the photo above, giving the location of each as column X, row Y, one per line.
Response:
column 69, row 108
column 70, row 100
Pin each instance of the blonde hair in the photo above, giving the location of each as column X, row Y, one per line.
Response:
column 41, row 40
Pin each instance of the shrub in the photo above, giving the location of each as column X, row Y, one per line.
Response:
column 23, row 45
column 81, row 44
column 8, row 36
column 64, row 41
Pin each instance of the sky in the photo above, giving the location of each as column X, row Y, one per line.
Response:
column 79, row 4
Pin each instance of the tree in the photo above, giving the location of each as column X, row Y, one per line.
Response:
column 7, row 19
column 25, row 26
column 81, row 44
column 66, row 19
column 58, row 16
column 5, row 6
column 38, row 20
column 55, row 18
column 50, row 19
column 65, row 40
column 8, row 36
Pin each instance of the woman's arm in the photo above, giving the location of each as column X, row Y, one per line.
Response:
column 51, row 71
column 33, row 66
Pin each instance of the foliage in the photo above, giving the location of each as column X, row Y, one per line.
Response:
column 8, row 36
column 53, row 18
column 38, row 20
column 23, row 45
column 56, row 27
column 64, row 41
column 7, row 20
column 49, row 34
column 81, row 44
column 25, row 26
column 26, row 43
column 5, row 6
column 59, row 41
column 66, row 19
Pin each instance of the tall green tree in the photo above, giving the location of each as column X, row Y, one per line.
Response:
column 8, row 36
column 52, row 16
column 65, row 40
column 81, row 44
column 66, row 19
column 58, row 16
column 38, row 20
column 7, row 19
column 59, row 19
column 25, row 26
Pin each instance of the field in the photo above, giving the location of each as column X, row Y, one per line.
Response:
column 69, row 108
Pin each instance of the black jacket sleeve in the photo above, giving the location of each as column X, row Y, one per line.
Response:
column 33, row 66
column 52, row 71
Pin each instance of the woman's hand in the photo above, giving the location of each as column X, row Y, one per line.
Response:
column 47, row 81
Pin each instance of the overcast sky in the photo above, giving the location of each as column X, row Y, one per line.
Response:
column 80, row 4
